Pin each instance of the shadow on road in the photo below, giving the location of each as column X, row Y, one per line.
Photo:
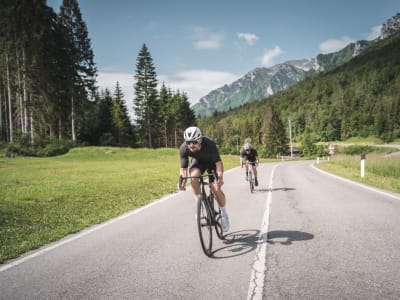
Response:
column 244, row 241
column 238, row 243
column 287, row 237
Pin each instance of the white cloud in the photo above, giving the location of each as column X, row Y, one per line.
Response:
column 206, row 39
column 197, row 83
column 374, row 33
column 333, row 45
column 270, row 55
column 250, row 38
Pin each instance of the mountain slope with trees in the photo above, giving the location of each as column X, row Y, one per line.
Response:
column 361, row 98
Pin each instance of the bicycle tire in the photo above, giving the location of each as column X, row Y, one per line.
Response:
column 251, row 181
column 216, row 217
column 204, row 224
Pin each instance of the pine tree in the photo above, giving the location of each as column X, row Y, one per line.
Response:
column 186, row 113
column 146, row 102
column 276, row 139
column 82, row 71
column 120, row 118
column 165, row 113
column 105, row 127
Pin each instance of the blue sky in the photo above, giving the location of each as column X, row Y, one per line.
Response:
column 198, row 46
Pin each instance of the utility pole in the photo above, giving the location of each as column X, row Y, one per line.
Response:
column 290, row 135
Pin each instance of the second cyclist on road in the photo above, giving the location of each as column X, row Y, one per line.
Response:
column 247, row 156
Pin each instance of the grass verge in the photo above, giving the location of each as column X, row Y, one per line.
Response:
column 380, row 171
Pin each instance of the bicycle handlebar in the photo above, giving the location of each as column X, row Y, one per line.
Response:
column 181, row 178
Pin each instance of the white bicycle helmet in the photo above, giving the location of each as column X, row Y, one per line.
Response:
column 192, row 134
column 247, row 146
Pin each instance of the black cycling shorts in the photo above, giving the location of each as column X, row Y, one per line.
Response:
column 210, row 167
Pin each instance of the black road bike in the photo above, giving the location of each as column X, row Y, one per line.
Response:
column 207, row 216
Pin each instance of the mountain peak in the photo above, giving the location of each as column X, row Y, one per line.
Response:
column 391, row 26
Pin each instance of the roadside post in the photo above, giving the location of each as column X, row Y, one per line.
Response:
column 363, row 164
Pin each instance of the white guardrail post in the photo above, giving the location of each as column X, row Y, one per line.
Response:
column 363, row 164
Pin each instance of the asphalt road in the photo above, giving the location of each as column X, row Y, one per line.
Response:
column 302, row 235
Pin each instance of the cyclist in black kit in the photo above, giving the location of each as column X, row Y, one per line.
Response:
column 205, row 157
column 249, row 154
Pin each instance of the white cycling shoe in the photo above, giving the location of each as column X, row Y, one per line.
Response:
column 224, row 222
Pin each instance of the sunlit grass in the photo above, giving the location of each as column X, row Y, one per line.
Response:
column 380, row 171
column 44, row 199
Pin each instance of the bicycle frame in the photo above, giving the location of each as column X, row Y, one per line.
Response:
column 250, row 174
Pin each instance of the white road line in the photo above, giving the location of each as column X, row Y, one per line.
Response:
column 357, row 183
column 259, row 268
column 81, row 234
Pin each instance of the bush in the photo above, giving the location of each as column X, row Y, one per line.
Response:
column 40, row 149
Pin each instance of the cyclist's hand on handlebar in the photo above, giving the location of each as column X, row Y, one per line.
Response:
column 181, row 184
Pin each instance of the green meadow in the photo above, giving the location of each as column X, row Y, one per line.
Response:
column 44, row 199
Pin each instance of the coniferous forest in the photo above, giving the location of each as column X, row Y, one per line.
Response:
column 49, row 98
column 48, row 92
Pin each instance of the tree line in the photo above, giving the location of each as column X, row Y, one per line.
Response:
column 48, row 91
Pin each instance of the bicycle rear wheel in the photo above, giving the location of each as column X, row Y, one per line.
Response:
column 204, row 224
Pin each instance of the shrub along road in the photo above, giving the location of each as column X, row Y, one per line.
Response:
column 320, row 238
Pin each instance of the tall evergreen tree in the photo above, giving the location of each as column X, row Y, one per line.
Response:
column 164, row 115
column 146, row 102
column 83, row 71
column 276, row 139
column 120, row 118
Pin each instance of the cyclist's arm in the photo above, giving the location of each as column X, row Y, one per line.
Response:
column 184, row 161
column 182, row 184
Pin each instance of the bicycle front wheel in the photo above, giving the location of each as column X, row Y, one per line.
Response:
column 217, row 217
column 204, row 223
column 251, row 181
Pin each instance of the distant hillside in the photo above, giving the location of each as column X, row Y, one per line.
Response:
column 264, row 82
column 255, row 85
column 358, row 99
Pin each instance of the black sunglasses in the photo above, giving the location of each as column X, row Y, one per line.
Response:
column 192, row 142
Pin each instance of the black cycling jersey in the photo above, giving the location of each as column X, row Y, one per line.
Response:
column 204, row 159
column 251, row 156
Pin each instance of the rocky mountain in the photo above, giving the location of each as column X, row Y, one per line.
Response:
column 263, row 82
column 255, row 85
column 391, row 26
